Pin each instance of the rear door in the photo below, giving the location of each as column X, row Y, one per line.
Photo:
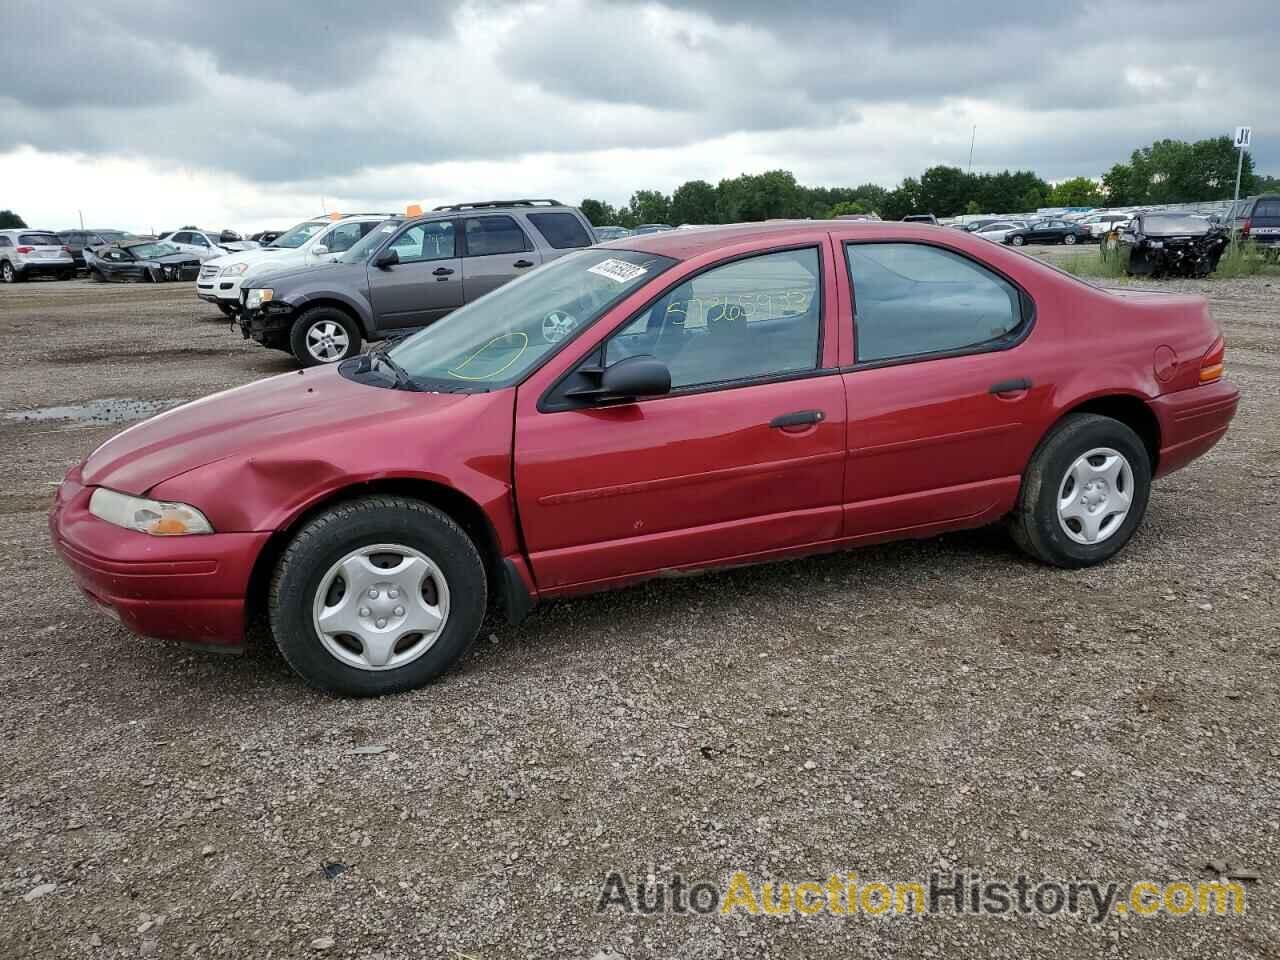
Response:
column 427, row 282
column 743, row 459
column 945, row 393
column 495, row 249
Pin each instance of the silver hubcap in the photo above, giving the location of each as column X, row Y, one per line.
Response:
column 1069, row 238
column 327, row 341
column 1095, row 495
column 381, row 607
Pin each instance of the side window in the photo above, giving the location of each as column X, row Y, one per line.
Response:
column 434, row 240
column 342, row 237
column 750, row 318
column 199, row 240
column 5, row 242
column 496, row 234
column 911, row 300
column 562, row 230
column 181, row 238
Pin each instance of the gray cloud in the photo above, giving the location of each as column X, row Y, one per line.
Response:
column 301, row 93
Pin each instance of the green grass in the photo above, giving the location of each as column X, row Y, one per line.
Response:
column 1246, row 260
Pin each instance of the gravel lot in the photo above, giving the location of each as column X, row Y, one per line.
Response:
column 937, row 704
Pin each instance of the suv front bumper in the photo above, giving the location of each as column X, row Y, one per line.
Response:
column 269, row 326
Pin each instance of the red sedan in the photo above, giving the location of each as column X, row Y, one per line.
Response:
column 683, row 400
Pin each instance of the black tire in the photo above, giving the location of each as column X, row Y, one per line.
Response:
column 96, row 275
column 325, row 540
column 1069, row 239
column 1034, row 523
column 8, row 274
column 1018, row 240
column 67, row 275
column 317, row 316
column 228, row 310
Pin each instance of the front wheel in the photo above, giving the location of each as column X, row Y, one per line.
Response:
column 227, row 310
column 377, row 595
column 1084, row 493
column 1017, row 241
column 324, row 335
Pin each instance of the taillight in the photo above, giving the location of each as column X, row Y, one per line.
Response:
column 65, row 248
column 1212, row 363
column 26, row 249
column 1244, row 230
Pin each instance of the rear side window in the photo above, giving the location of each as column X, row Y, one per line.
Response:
column 562, row 230
column 1267, row 208
column 498, row 234
column 912, row 300
column 39, row 240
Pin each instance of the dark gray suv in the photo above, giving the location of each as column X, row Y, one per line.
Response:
column 405, row 273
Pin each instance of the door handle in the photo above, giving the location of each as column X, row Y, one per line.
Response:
column 442, row 271
column 1020, row 385
column 523, row 263
column 801, row 418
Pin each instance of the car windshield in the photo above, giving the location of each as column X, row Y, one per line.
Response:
column 299, row 235
column 493, row 341
column 362, row 248
column 145, row 251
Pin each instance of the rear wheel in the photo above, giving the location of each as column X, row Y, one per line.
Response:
column 1084, row 493
column 377, row 595
column 1069, row 239
column 1017, row 240
column 7, row 273
column 324, row 335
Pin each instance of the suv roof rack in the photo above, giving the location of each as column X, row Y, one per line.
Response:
column 501, row 203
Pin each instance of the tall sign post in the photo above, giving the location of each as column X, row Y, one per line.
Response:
column 1243, row 136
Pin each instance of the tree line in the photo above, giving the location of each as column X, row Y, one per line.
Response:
column 1168, row 171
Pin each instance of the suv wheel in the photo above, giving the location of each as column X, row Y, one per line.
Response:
column 7, row 273
column 377, row 595
column 324, row 335
column 1017, row 240
column 1084, row 493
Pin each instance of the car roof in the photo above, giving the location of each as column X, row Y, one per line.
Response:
column 686, row 244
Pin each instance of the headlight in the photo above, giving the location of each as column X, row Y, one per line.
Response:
column 258, row 296
column 234, row 270
column 155, row 517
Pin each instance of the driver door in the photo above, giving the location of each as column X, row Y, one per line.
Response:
column 425, row 284
column 742, row 460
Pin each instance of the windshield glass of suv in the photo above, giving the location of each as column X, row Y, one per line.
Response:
column 362, row 248
column 493, row 341
column 298, row 235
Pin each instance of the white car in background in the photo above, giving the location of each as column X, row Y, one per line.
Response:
column 996, row 232
column 310, row 242
column 205, row 244
column 1100, row 224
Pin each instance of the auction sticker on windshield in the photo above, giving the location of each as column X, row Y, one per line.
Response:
column 618, row 271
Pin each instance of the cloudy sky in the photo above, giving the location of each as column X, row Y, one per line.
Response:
column 249, row 114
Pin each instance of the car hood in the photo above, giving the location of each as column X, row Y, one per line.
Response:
column 277, row 276
column 262, row 416
column 251, row 257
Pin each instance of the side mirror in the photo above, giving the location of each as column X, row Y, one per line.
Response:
column 319, row 250
column 638, row 376
column 387, row 258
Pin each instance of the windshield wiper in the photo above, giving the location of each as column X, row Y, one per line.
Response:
column 404, row 380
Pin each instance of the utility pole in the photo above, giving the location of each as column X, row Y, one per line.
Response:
column 81, row 212
column 972, row 136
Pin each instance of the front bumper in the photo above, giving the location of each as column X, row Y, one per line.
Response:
column 1192, row 421
column 269, row 327
column 192, row 589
